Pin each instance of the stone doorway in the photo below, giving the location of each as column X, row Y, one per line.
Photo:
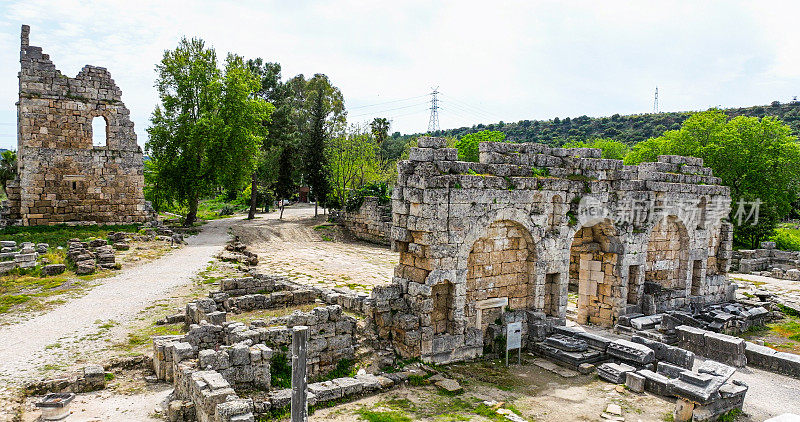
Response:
column 595, row 284
column 500, row 274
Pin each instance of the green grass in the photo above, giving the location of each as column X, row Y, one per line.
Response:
column 730, row 416
column 212, row 209
column 377, row 416
column 58, row 235
column 789, row 328
column 787, row 238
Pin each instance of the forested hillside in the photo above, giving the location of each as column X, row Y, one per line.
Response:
column 628, row 129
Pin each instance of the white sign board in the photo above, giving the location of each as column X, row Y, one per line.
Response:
column 514, row 335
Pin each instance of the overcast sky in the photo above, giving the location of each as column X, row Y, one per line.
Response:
column 491, row 60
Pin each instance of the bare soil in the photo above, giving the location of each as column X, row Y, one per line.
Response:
column 294, row 248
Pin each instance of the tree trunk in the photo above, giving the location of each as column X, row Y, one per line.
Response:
column 191, row 217
column 253, row 194
column 315, row 208
column 281, row 216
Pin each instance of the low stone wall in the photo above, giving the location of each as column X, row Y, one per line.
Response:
column 372, row 222
column 332, row 337
column 258, row 283
column 242, row 365
column 89, row 378
column 283, row 299
column 767, row 261
column 205, row 396
column 772, row 360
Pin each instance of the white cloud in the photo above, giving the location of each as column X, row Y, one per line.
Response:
column 508, row 60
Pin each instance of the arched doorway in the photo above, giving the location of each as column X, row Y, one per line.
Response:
column 500, row 273
column 668, row 254
column 594, row 279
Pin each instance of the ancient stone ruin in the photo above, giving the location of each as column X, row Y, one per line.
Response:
column 63, row 177
column 528, row 225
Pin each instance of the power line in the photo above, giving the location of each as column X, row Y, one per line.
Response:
column 433, row 122
column 476, row 108
column 372, row 113
column 388, row 102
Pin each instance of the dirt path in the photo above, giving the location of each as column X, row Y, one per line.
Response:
column 74, row 332
column 292, row 247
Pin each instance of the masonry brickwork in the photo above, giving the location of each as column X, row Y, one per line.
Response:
column 528, row 223
column 62, row 176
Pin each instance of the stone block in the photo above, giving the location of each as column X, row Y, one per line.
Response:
column 634, row 382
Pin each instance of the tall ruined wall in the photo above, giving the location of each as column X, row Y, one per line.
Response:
column 528, row 224
column 62, row 176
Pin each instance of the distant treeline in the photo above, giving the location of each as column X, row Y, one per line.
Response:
column 629, row 129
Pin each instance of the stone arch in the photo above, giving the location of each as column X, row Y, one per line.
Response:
column 500, row 273
column 594, row 275
column 668, row 254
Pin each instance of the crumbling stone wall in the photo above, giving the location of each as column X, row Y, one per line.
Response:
column 371, row 222
column 62, row 177
column 445, row 210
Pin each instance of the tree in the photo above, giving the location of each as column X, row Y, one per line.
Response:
column 380, row 129
column 8, row 168
column 207, row 129
column 610, row 148
column 270, row 89
column 755, row 157
column 354, row 160
column 322, row 115
column 468, row 144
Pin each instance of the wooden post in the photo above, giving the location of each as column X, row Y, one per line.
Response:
column 299, row 387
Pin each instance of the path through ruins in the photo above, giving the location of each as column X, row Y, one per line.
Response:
column 80, row 327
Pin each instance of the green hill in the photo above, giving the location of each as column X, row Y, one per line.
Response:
column 628, row 129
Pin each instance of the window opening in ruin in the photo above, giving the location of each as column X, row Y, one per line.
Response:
column 697, row 268
column 633, row 280
column 552, row 297
column 74, row 186
column 441, row 317
column 99, row 131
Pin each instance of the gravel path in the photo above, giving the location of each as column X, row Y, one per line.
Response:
column 81, row 327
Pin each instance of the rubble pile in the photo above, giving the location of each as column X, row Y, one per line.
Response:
column 26, row 255
column 236, row 251
column 730, row 318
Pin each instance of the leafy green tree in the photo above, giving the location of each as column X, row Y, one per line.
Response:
column 321, row 116
column 354, row 161
column 610, row 148
column 468, row 144
column 8, row 167
column 279, row 128
column 380, row 129
column 205, row 133
column 755, row 157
